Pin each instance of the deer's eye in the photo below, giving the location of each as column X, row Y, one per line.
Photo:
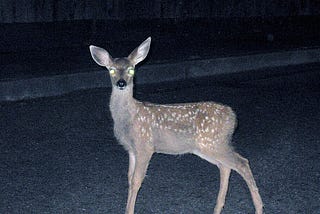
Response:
column 131, row 71
column 112, row 71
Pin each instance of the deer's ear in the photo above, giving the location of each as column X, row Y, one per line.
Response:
column 100, row 56
column 141, row 52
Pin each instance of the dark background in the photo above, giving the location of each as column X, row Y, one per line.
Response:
column 28, row 25
column 50, row 37
column 58, row 153
column 28, row 11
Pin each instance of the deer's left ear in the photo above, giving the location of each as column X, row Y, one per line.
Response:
column 100, row 56
column 141, row 52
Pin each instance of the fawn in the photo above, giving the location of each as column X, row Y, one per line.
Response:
column 204, row 129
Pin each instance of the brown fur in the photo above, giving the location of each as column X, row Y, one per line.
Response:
column 204, row 129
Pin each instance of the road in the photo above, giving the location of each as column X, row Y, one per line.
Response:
column 58, row 154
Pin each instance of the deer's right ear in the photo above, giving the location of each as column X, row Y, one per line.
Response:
column 141, row 52
column 100, row 56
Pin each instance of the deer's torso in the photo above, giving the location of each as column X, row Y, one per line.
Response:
column 173, row 128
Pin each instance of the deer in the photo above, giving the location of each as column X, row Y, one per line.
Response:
column 204, row 129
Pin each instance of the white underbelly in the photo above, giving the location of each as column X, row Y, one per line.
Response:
column 169, row 142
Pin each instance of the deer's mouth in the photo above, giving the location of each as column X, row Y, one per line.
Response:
column 121, row 84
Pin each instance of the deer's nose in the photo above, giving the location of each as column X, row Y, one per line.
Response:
column 121, row 84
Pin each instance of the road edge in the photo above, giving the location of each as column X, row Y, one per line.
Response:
column 154, row 73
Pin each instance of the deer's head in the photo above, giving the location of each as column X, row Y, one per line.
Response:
column 121, row 70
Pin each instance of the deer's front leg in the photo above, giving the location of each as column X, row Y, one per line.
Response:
column 132, row 162
column 141, row 161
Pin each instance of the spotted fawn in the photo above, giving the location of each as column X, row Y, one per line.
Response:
column 204, row 129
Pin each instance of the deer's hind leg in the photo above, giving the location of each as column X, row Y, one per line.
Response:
column 226, row 159
column 224, row 182
column 224, row 178
column 241, row 165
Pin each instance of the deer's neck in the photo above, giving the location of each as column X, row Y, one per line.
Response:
column 122, row 104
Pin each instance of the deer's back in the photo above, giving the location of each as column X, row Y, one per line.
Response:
column 176, row 127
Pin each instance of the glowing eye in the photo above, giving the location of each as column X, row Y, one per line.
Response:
column 112, row 71
column 131, row 71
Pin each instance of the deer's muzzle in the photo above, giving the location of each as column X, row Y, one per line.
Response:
column 121, row 84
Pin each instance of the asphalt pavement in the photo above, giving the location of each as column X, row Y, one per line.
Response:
column 58, row 154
